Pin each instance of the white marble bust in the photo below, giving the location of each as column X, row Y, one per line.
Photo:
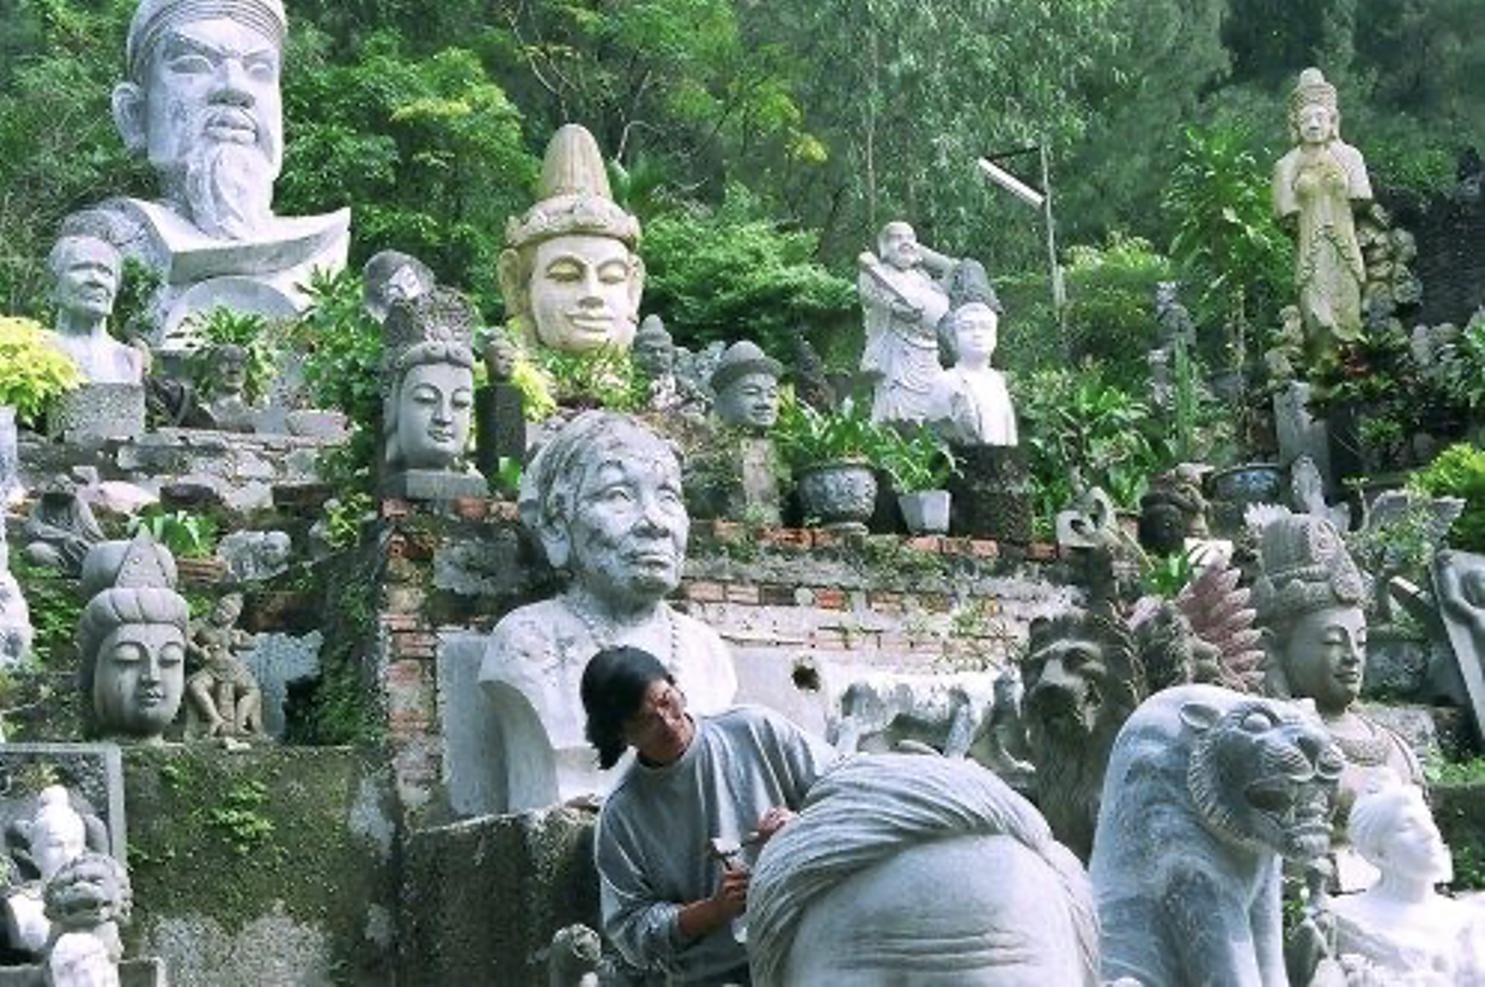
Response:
column 202, row 103
column 1401, row 931
column 85, row 277
column 604, row 498
column 970, row 404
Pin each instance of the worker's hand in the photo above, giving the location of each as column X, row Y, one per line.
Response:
column 773, row 821
column 732, row 892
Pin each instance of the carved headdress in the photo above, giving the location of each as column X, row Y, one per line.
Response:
column 437, row 327
column 742, row 358
column 156, row 18
column 573, row 196
column 127, row 583
column 1305, row 567
column 1313, row 90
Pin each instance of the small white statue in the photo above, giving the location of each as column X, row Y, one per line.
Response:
column 85, row 273
column 905, row 293
column 1401, row 931
column 54, row 835
column 970, row 403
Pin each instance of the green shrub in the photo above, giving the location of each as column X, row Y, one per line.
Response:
column 602, row 377
column 248, row 330
column 186, row 535
column 1111, row 295
column 33, row 374
column 1459, row 471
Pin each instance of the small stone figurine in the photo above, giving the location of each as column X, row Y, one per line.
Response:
column 225, row 698
column 746, row 383
column 86, row 901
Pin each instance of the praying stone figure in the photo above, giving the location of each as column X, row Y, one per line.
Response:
column 969, row 403
column 86, row 901
column 225, row 698
column 500, row 408
column 603, row 497
column 570, row 273
column 61, row 529
column 202, row 103
column 1309, row 599
column 856, row 890
column 904, row 289
column 1315, row 187
column 1401, row 931
column 54, row 835
column 428, row 398
column 391, row 277
column 132, row 638
column 85, row 273
column 746, row 383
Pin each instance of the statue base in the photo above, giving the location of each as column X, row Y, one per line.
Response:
column 95, row 412
column 991, row 498
column 434, row 485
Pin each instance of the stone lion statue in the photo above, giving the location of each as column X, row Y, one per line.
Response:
column 86, row 901
column 1207, row 790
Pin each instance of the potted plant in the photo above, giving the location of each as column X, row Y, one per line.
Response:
column 831, row 457
column 919, row 464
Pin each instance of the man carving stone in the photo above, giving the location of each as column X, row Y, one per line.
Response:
column 202, row 102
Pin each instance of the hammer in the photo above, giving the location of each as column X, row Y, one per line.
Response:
column 728, row 851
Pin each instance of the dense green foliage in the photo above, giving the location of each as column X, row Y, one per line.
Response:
column 32, row 374
column 1459, row 471
column 1111, row 289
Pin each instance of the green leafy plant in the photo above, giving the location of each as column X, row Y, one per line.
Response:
column 1110, row 292
column 33, row 374
column 807, row 437
column 1459, row 471
column 507, row 479
column 604, row 378
column 187, row 535
column 917, row 460
column 241, row 820
column 343, row 517
column 342, row 347
column 248, row 330
column 1167, row 576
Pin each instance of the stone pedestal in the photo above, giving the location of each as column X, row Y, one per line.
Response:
column 992, row 496
column 759, row 489
column 501, row 414
column 95, row 412
column 1300, row 433
column 434, row 485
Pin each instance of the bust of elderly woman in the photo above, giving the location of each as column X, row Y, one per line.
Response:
column 570, row 273
column 428, row 397
column 1401, row 931
column 132, row 638
column 1309, row 601
column 603, row 497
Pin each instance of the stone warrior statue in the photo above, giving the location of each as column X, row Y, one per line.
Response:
column 225, row 698
column 570, row 273
column 905, row 292
column 1315, row 187
column 202, row 103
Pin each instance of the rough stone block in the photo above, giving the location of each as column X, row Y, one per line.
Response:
column 434, row 485
column 94, row 412
column 276, row 661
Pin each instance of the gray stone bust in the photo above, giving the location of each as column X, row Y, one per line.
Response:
column 746, row 383
column 202, row 103
column 85, row 284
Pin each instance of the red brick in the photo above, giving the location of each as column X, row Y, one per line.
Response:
column 742, row 593
column 471, row 508
column 936, row 603
column 956, row 546
column 1042, row 552
column 727, row 532
column 825, row 538
column 413, row 645
column 830, row 599
column 399, row 622
column 394, row 507
column 885, row 603
column 404, row 671
column 786, row 538
column 705, row 591
column 776, row 595
column 984, row 548
column 924, row 543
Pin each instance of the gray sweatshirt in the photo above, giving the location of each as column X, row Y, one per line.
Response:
column 653, row 831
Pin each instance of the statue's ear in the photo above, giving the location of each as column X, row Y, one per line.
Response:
column 555, row 540
column 637, row 284
column 1199, row 716
column 508, row 273
column 129, row 114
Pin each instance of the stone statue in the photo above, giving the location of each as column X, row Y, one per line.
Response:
column 86, row 901
column 746, row 383
column 807, row 372
column 202, row 103
column 225, row 698
column 1309, row 601
column 1207, row 790
column 654, row 357
column 574, row 957
column 15, row 615
column 428, row 397
column 254, row 556
column 500, row 408
column 391, row 277
column 1315, row 187
column 61, row 529
column 85, row 275
column 570, row 273
column 603, row 497
column 132, row 638
column 226, row 407
column 1401, row 931
column 1460, row 589
column 1172, row 511
column 969, row 403
column 54, row 835
column 904, row 289
column 854, row 891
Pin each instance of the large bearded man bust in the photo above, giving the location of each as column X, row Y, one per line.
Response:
column 202, row 102
column 603, row 497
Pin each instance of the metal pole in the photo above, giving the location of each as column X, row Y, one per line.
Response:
column 1060, row 298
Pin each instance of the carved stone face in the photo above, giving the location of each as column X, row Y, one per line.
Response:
column 899, row 246
column 629, row 527
column 57, row 836
column 1413, row 847
column 653, row 356
column 750, row 401
column 500, row 359
column 433, row 415
column 975, row 335
column 585, row 292
column 138, row 678
column 1324, row 657
column 89, row 279
column 1315, row 123
column 213, row 118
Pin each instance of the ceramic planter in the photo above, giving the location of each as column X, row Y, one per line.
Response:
column 841, row 494
column 925, row 512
